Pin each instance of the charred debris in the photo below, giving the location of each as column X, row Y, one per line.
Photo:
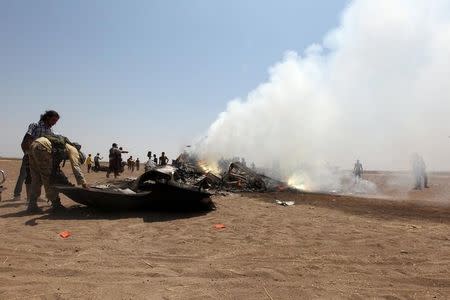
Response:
column 228, row 176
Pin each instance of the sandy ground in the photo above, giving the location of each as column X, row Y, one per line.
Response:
column 395, row 247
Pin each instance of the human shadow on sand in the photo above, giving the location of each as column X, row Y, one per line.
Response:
column 16, row 203
column 86, row 213
column 3, row 204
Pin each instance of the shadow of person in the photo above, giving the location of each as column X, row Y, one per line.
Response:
column 16, row 204
column 11, row 200
column 88, row 213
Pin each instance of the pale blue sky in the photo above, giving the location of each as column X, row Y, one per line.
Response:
column 149, row 75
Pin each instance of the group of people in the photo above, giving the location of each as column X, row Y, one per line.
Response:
column 153, row 160
column 116, row 163
column 96, row 162
column 115, row 160
column 133, row 164
column 45, row 152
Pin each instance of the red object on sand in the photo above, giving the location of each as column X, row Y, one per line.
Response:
column 219, row 226
column 65, row 234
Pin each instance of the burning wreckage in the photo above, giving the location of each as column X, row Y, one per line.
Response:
column 187, row 184
column 227, row 176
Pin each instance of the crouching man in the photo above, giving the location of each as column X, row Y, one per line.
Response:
column 46, row 154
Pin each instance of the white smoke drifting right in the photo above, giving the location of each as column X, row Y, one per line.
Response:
column 377, row 88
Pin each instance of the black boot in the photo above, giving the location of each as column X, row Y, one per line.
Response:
column 57, row 207
column 32, row 208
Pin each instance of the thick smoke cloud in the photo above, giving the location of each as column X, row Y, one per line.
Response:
column 377, row 88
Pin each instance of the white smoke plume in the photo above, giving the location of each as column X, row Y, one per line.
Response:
column 377, row 88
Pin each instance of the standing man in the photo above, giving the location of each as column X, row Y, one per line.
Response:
column 137, row 164
column 97, row 159
column 115, row 161
column 129, row 160
column 163, row 159
column 89, row 163
column 122, row 164
column 420, row 172
column 424, row 173
column 132, row 164
column 46, row 154
column 35, row 130
column 358, row 170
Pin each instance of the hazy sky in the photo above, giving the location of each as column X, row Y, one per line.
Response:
column 149, row 75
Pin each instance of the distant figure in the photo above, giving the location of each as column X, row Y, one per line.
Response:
column 129, row 160
column 163, row 159
column 114, row 161
column 121, row 161
column 137, row 164
column 89, row 163
column 150, row 165
column 358, row 170
column 155, row 160
column 97, row 159
column 149, row 154
column 132, row 164
column 420, row 173
column 253, row 166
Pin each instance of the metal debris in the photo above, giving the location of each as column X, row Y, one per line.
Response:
column 284, row 203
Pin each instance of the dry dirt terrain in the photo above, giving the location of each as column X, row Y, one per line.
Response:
column 396, row 247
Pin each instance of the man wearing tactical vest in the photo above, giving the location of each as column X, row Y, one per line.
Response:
column 46, row 154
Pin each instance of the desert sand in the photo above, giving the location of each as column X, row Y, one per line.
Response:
column 393, row 246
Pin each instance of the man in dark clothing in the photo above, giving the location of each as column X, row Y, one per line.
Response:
column 97, row 159
column 137, row 164
column 115, row 161
column 163, row 159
